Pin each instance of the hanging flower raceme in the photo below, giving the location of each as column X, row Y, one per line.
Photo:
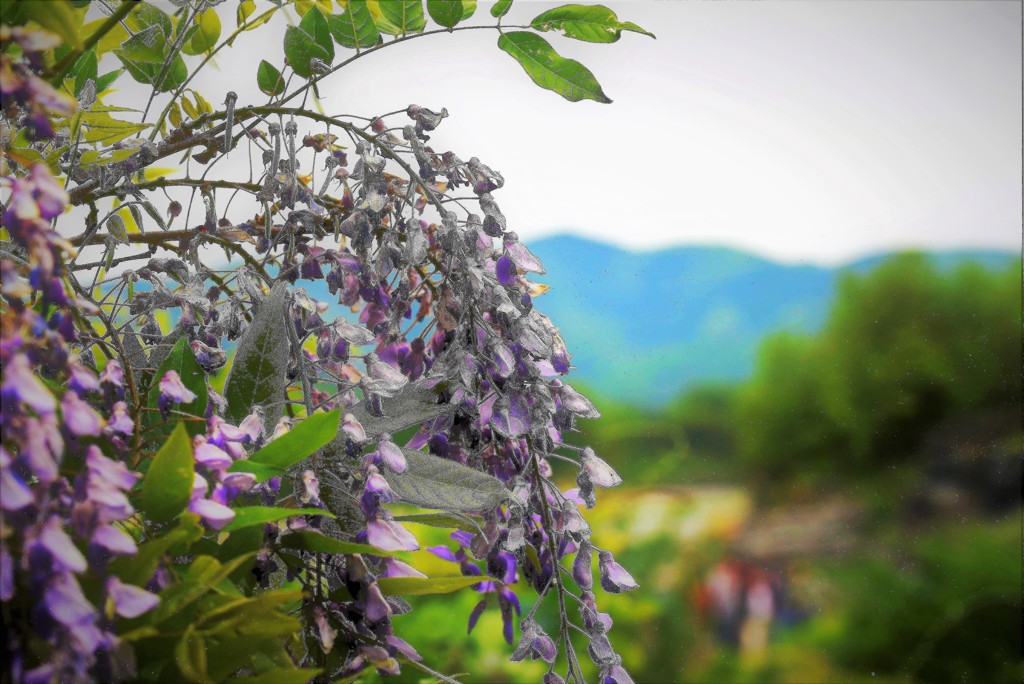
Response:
column 448, row 345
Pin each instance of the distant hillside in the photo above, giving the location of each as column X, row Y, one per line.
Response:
column 642, row 326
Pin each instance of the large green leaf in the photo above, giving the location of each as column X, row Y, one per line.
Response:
column 420, row 586
column 183, row 361
column 549, row 70
column 247, row 516
column 592, row 23
column 354, row 27
column 438, row 483
column 258, row 375
column 404, row 15
column 304, row 540
column 300, row 48
column 167, row 487
column 303, row 440
column 315, row 24
column 447, row 13
column 268, row 78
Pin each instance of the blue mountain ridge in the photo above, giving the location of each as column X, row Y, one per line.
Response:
column 644, row 326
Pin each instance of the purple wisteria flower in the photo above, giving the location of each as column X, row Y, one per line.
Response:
column 173, row 391
column 614, row 577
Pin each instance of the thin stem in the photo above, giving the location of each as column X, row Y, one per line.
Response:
column 61, row 68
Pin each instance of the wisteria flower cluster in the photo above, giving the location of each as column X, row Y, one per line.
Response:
column 207, row 430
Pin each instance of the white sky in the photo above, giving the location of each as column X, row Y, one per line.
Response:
column 803, row 131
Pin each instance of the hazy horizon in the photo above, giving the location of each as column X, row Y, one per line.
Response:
column 805, row 132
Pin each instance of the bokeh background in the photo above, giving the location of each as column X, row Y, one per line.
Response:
column 787, row 263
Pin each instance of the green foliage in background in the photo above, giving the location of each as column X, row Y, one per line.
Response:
column 904, row 347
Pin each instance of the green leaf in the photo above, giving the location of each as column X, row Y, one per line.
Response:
column 173, row 76
column 167, row 487
column 299, row 49
column 103, row 128
column 304, row 540
column 190, row 656
column 404, row 15
column 433, row 482
column 138, row 569
column 146, row 15
column 84, row 69
column 207, row 35
column 261, row 471
column 92, row 158
column 258, row 375
column 282, row 676
column 148, row 46
column 303, row 6
column 247, row 516
column 315, row 25
column 413, row 405
column 468, row 8
column 269, row 79
column 245, row 8
column 302, row 441
column 58, row 17
column 501, row 8
column 243, row 607
column 103, row 82
column 183, row 361
column 549, row 70
column 354, row 28
column 592, row 23
column 420, row 586
column 447, row 13
column 446, row 521
column 258, row 21
column 204, row 573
